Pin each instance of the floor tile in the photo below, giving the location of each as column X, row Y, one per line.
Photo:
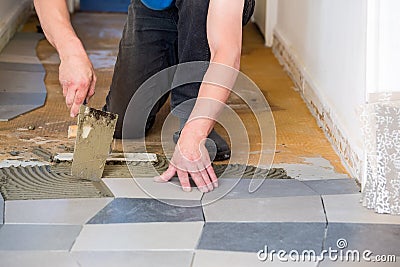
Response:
column 347, row 208
column 269, row 188
column 252, row 237
column 54, row 211
column 38, row 237
column 238, row 259
column 334, row 186
column 9, row 112
column 22, row 82
column 140, row 236
column 36, row 259
column 350, row 262
column 129, row 210
column 147, row 188
column 378, row 238
column 11, row 99
column 1, row 210
column 282, row 209
column 21, row 67
column 134, row 258
column 22, row 48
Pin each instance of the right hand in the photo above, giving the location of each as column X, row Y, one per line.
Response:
column 78, row 80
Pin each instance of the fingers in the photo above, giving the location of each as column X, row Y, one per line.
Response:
column 167, row 175
column 213, row 176
column 91, row 88
column 199, row 181
column 184, row 179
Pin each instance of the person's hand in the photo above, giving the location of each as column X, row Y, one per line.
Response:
column 191, row 158
column 78, row 81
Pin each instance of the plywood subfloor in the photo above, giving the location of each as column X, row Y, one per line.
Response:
column 298, row 135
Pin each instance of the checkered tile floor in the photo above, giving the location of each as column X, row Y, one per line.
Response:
column 192, row 229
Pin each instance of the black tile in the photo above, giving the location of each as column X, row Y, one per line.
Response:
column 378, row 238
column 129, row 210
column 334, row 186
column 252, row 237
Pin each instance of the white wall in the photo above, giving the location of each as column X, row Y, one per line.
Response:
column 328, row 40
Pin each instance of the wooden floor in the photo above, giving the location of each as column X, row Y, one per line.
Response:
column 297, row 134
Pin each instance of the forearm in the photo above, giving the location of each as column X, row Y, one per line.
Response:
column 55, row 21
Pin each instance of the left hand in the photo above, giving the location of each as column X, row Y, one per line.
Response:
column 191, row 158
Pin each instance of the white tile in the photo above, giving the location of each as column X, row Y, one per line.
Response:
column 134, row 258
column 54, row 211
column 147, row 188
column 139, row 236
column 36, row 259
column 203, row 258
column 349, row 209
column 277, row 209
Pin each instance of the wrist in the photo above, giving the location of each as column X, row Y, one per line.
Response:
column 70, row 47
column 197, row 129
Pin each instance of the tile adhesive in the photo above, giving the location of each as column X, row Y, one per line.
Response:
column 55, row 181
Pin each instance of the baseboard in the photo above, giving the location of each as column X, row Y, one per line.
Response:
column 10, row 23
column 350, row 156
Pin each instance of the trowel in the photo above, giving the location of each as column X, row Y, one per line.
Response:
column 92, row 144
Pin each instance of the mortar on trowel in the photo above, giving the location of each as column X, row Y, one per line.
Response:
column 94, row 136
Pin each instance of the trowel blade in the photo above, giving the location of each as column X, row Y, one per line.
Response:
column 92, row 144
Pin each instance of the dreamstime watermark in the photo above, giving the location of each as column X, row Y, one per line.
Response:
column 331, row 254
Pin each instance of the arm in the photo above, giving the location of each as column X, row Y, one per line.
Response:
column 224, row 32
column 76, row 72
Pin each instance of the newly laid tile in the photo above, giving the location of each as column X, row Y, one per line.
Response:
column 276, row 209
column 378, row 238
column 253, row 237
column 147, row 188
column 139, row 236
column 269, row 188
column 354, row 262
column 239, row 259
column 347, row 208
column 137, row 210
column 334, row 186
column 21, row 67
column 22, row 48
column 22, row 82
column 38, row 237
column 54, row 211
column 37, row 259
column 134, row 258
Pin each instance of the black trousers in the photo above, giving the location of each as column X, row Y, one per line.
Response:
column 153, row 41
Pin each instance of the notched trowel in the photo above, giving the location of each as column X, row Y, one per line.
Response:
column 92, row 144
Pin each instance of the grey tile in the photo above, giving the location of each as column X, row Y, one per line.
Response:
column 38, row 237
column 22, row 82
column 252, row 237
column 351, row 262
column 1, row 210
column 239, row 259
column 21, row 67
column 128, row 210
column 378, row 238
column 139, row 236
column 347, row 208
column 134, row 258
column 54, row 211
column 147, row 188
column 22, row 48
column 234, row 189
column 36, row 259
column 334, row 186
column 9, row 112
column 277, row 209
column 12, row 99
